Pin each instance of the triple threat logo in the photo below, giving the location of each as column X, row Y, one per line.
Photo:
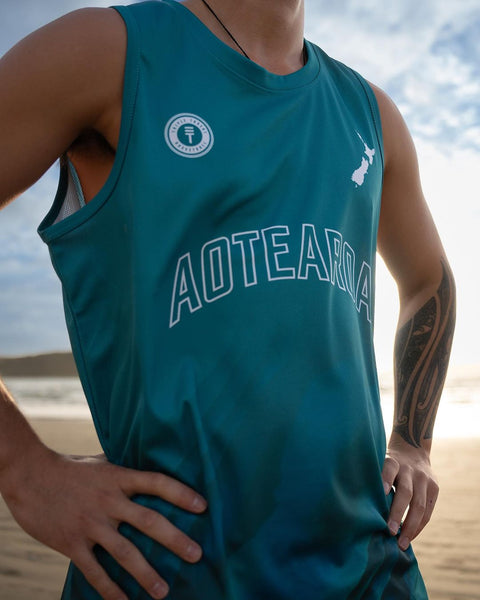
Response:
column 322, row 255
column 189, row 135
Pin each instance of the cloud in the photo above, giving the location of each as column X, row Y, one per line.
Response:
column 441, row 94
column 424, row 54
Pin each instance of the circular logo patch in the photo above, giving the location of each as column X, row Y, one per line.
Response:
column 189, row 135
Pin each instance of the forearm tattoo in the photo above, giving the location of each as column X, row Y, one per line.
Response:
column 422, row 351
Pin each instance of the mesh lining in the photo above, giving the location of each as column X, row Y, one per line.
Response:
column 74, row 199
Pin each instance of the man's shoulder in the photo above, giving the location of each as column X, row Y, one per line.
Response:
column 97, row 26
column 83, row 46
column 72, row 40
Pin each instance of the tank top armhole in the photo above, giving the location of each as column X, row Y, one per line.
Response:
column 51, row 227
column 375, row 111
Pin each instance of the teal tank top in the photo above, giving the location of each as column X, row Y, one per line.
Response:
column 219, row 297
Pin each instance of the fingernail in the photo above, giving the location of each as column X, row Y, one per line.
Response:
column 194, row 552
column 160, row 590
column 199, row 503
column 404, row 542
column 394, row 527
column 386, row 487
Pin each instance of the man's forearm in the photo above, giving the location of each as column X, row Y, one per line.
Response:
column 17, row 438
column 422, row 351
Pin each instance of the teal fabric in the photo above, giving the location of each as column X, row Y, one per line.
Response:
column 219, row 295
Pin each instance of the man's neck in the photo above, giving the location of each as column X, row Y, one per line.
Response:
column 269, row 31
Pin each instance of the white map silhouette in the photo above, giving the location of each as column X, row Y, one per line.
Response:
column 359, row 175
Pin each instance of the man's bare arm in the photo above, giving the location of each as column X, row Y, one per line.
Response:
column 411, row 248
column 422, row 350
column 59, row 81
column 62, row 80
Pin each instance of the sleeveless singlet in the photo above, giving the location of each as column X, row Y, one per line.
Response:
column 219, row 297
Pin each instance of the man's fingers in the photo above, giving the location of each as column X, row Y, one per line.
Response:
column 415, row 516
column 163, row 486
column 389, row 473
column 131, row 559
column 163, row 531
column 97, row 577
column 409, row 471
column 418, row 493
column 401, row 500
column 98, row 500
column 432, row 496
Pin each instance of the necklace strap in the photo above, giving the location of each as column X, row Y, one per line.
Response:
column 305, row 55
column 231, row 36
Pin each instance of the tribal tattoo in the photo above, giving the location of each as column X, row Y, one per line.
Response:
column 422, row 351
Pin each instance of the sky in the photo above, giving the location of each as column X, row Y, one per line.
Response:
column 425, row 54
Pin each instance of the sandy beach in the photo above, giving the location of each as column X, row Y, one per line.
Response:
column 448, row 551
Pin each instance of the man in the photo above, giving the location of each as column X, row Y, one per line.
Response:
column 225, row 181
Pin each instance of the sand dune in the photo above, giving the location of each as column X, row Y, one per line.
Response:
column 55, row 364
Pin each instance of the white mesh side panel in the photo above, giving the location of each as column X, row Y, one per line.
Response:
column 71, row 202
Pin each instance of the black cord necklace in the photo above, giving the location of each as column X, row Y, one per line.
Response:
column 305, row 56
column 218, row 19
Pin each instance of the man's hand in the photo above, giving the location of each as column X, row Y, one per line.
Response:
column 74, row 503
column 408, row 469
